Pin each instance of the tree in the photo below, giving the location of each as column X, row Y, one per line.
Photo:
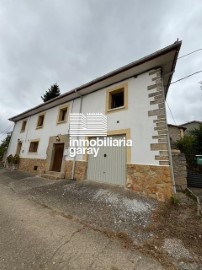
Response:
column 197, row 137
column 4, row 145
column 53, row 91
column 186, row 145
column 191, row 145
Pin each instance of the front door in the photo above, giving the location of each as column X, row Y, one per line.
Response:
column 57, row 156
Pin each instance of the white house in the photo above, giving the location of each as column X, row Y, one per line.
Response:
column 133, row 99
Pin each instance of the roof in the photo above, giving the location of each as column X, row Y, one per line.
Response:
column 165, row 58
column 180, row 127
column 191, row 122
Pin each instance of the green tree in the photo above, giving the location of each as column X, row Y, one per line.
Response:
column 191, row 145
column 53, row 91
column 4, row 145
column 186, row 145
column 197, row 137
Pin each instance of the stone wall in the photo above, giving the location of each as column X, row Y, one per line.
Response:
column 80, row 170
column 152, row 181
column 179, row 169
column 32, row 165
column 157, row 112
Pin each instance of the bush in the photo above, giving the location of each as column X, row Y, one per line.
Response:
column 174, row 200
column 10, row 159
column 16, row 159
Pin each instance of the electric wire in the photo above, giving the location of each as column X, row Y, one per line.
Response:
column 171, row 112
column 183, row 78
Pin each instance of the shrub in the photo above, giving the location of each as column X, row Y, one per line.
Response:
column 16, row 159
column 10, row 159
column 174, row 200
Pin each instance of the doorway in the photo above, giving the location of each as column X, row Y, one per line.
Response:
column 58, row 149
column 110, row 164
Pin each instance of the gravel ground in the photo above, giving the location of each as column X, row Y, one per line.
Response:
column 103, row 207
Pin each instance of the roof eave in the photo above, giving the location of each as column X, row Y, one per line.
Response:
column 176, row 46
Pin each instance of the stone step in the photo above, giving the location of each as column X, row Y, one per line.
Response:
column 49, row 176
column 58, row 174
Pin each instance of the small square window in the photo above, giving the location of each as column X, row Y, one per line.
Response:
column 62, row 117
column 23, row 127
column 117, row 98
column 33, row 147
column 40, row 121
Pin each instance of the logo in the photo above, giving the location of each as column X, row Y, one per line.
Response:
column 91, row 124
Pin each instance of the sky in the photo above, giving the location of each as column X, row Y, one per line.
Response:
column 72, row 42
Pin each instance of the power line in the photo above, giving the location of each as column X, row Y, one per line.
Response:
column 171, row 113
column 5, row 131
column 189, row 53
column 187, row 76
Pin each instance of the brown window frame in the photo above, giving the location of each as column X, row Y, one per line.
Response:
column 23, row 126
column 38, row 121
column 60, row 119
column 32, row 147
column 123, row 88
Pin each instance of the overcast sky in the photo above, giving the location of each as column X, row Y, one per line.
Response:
column 71, row 42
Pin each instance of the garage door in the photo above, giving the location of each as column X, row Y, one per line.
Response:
column 109, row 166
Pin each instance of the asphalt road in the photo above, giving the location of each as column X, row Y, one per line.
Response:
column 34, row 236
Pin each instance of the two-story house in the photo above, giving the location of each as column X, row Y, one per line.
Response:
column 133, row 99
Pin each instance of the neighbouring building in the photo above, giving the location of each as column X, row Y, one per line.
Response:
column 175, row 133
column 133, row 98
column 190, row 126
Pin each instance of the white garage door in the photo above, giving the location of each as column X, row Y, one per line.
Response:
column 109, row 166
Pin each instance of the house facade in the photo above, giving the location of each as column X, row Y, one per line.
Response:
column 133, row 99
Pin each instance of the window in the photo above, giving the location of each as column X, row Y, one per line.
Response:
column 33, row 147
column 23, row 125
column 40, row 121
column 117, row 98
column 62, row 116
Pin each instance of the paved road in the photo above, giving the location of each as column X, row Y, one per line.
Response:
column 33, row 236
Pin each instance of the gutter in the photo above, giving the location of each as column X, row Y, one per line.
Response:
column 141, row 61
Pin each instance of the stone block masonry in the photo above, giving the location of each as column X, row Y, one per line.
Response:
column 39, row 166
column 179, row 169
column 33, row 165
column 80, row 170
column 152, row 181
column 158, row 112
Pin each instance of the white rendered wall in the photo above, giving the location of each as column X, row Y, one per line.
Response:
column 134, row 118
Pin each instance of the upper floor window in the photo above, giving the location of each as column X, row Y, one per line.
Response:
column 33, row 147
column 117, row 98
column 23, row 127
column 62, row 115
column 40, row 121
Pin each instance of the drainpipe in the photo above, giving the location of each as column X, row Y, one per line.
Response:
column 80, row 110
